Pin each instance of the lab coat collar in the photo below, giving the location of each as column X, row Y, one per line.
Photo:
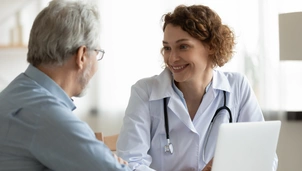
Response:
column 220, row 81
column 162, row 86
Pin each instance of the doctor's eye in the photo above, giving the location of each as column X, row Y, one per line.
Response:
column 183, row 46
column 166, row 48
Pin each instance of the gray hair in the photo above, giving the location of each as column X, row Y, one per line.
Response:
column 60, row 29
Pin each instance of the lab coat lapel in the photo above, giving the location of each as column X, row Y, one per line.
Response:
column 207, row 100
column 202, row 113
column 219, row 83
column 178, row 109
column 161, row 88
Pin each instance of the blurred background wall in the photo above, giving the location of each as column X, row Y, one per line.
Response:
column 132, row 36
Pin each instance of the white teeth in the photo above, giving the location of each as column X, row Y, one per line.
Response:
column 179, row 67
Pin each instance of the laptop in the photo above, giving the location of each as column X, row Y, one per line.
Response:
column 246, row 146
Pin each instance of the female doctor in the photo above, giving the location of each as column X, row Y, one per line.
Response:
column 172, row 119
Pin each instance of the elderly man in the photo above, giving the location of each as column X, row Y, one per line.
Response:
column 38, row 130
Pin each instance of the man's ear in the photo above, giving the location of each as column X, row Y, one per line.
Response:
column 81, row 56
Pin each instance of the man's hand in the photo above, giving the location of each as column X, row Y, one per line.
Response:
column 208, row 166
column 120, row 160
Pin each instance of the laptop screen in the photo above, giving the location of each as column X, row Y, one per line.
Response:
column 246, row 146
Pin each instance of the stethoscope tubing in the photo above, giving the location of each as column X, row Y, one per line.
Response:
column 166, row 119
column 209, row 128
column 169, row 146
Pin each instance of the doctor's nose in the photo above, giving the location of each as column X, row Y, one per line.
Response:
column 173, row 56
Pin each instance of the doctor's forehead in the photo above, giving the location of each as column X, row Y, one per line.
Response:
column 175, row 34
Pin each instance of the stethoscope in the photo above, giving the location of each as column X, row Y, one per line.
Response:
column 169, row 147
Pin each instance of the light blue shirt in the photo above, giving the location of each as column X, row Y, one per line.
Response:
column 38, row 130
column 142, row 138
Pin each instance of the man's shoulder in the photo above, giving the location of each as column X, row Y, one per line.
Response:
column 26, row 94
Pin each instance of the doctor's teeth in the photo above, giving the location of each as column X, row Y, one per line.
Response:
column 179, row 67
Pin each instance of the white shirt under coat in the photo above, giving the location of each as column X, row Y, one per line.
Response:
column 142, row 138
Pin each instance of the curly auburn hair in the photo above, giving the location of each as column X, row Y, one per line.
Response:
column 205, row 25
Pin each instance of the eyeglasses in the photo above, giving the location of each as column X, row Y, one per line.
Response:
column 100, row 54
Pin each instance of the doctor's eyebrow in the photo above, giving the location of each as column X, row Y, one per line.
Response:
column 178, row 41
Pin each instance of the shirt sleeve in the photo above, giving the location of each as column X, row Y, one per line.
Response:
column 134, row 139
column 63, row 142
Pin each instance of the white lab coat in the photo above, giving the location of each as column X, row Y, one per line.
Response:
column 142, row 138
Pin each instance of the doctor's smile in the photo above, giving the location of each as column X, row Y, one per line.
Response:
column 177, row 69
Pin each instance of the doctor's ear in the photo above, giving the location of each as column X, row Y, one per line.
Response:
column 211, row 50
column 81, row 56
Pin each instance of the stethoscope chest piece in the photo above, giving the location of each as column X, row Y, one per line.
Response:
column 169, row 147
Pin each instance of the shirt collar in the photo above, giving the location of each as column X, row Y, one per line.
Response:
column 46, row 82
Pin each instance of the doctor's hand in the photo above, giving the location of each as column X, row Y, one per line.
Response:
column 208, row 167
column 120, row 160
